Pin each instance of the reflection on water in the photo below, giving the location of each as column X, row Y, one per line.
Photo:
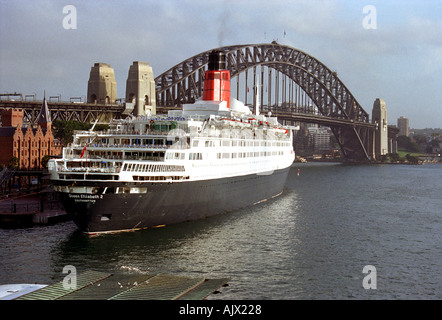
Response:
column 310, row 243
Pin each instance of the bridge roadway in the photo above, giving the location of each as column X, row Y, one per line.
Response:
column 342, row 128
column 83, row 112
column 301, row 74
column 88, row 112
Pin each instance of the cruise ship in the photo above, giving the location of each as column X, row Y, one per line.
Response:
column 210, row 157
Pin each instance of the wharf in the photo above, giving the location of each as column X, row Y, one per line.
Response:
column 94, row 285
column 26, row 219
column 30, row 209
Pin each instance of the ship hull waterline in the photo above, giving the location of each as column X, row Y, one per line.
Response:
column 166, row 203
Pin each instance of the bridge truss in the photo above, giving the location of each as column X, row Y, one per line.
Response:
column 311, row 87
column 292, row 85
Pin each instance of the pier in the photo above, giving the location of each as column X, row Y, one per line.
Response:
column 26, row 210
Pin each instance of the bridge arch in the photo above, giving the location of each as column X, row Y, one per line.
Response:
column 183, row 83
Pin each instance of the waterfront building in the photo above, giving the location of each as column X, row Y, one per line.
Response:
column 403, row 126
column 28, row 144
column 319, row 138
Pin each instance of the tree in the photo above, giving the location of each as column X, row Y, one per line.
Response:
column 405, row 142
column 13, row 163
column 44, row 161
column 64, row 130
column 394, row 157
column 411, row 159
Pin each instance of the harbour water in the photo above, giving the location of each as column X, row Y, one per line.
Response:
column 312, row 242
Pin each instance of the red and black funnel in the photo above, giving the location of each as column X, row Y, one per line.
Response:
column 217, row 79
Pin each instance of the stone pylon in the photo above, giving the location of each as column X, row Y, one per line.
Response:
column 102, row 87
column 379, row 116
column 140, row 89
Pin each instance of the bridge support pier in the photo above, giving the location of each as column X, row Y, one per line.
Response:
column 140, row 89
column 102, row 87
column 379, row 117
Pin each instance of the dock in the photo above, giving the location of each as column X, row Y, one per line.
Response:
column 28, row 219
column 18, row 211
column 94, row 285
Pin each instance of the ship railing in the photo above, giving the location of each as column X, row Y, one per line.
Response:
column 89, row 169
column 126, row 146
column 92, row 157
column 144, row 158
column 110, row 158
column 70, row 156
column 127, row 132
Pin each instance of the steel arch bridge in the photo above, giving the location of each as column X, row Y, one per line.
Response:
column 334, row 104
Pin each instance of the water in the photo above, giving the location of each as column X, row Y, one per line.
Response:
column 310, row 243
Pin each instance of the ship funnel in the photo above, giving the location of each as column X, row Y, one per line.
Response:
column 217, row 60
column 217, row 79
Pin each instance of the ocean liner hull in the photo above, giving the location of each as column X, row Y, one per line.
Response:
column 165, row 203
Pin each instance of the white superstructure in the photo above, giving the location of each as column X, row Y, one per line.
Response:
column 202, row 141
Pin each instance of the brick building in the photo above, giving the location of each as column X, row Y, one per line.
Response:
column 27, row 143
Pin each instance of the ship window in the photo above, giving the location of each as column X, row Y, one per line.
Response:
column 106, row 217
column 110, row 190
column 196, row 156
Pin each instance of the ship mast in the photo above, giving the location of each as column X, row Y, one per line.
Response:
column 257, row 98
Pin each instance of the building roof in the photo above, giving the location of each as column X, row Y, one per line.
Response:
column 45, row 115
column 10, row 131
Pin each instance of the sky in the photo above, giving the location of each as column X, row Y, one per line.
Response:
column 386, row 49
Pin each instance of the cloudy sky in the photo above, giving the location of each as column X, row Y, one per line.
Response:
column 393, row 53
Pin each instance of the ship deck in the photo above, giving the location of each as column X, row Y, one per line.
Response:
column 93, row 285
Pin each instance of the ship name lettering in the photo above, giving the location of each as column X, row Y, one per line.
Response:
column 89, row 196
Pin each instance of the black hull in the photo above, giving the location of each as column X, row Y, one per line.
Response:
column 168, row 203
